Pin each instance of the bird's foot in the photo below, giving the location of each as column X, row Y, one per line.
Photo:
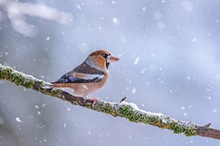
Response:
column 94, row 100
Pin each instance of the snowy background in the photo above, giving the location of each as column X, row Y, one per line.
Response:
column 169, row 63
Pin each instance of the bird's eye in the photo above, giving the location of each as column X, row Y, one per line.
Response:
column 104, row 55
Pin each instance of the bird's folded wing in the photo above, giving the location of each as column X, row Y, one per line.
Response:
column 73, row 77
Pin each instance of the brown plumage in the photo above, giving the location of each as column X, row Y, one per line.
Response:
column 89, row 76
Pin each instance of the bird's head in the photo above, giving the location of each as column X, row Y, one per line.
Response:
column 103, row 58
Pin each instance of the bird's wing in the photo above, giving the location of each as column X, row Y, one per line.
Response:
column 74, row 77
column 87, row 69
column 84, row 73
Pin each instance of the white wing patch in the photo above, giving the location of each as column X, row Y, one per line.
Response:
column 93, row 76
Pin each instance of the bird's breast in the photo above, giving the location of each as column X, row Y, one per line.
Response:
column 84, row 89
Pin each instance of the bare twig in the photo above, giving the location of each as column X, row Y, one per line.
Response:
column 123, row 99
column 117, row 109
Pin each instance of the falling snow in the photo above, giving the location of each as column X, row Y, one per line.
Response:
column 133, row 90
column 48, row 38
column 18, row 119
column 136, row 61
column 214, row 110
column 78, row 7
column 168, row 54
column 194, row 40
column 115, row 20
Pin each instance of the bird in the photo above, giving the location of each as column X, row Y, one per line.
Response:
column 89, row 76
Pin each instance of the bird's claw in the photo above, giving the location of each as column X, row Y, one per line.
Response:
column 94, row 100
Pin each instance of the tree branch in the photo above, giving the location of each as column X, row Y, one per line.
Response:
column 117, row 109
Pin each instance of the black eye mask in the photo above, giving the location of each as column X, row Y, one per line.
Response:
column 105, row 55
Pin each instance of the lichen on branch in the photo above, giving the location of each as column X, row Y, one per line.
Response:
column 117, row 109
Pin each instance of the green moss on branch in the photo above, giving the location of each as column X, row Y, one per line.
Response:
column 124, row 109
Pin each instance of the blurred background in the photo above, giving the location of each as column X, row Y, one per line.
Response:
column 169, row 63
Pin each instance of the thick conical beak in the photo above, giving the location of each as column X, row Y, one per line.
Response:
column 112, row 58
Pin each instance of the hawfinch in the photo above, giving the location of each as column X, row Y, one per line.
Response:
column 89, row 76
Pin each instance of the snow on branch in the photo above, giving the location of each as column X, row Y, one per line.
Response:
column 117, row 109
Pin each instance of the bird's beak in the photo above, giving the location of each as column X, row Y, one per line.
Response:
column 112, row 58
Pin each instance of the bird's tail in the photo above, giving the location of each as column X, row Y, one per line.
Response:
column 48, row 86
column 61, row 85
column 56, row 85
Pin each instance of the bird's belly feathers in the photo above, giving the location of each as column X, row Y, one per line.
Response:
column 85, row 89
column 82, row 89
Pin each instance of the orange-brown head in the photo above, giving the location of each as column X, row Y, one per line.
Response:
column 103, row 58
